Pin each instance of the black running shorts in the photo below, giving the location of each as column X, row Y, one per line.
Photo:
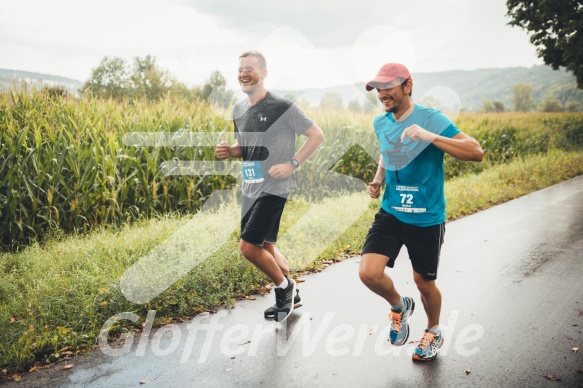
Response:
column 387, row 235
column 260, row 218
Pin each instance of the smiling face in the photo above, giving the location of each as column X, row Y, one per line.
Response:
column 251, row 74
column 395, row 99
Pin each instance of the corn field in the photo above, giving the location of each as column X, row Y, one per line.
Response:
column 64, row 164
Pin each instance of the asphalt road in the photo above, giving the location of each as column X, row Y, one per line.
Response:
column 512, row 282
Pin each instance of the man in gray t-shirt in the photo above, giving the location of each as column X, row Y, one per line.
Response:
column 265, row 129
column 266, row 132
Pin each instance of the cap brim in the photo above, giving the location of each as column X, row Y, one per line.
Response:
column 379, row 81
column 384, row 82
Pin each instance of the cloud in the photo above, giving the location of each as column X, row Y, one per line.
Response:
column 69, row 38
column 324, row 23
column 327, row 42
column 432, row 36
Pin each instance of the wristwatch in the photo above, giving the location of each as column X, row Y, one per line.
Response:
column 294, row 163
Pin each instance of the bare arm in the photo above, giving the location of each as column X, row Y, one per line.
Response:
column 224, row 151
column 315, row 137
column 461, row 146
column 374, row 187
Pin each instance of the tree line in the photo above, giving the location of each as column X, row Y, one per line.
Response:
column 522, row 101
column 145, row 79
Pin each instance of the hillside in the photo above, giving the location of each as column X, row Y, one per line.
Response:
column 472, row 86
column 14, row 79
column 496, row 84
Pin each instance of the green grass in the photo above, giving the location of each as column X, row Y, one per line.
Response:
column 60, row 294
column 501, row 183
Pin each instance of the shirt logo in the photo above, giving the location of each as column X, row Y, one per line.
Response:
column 262, row 118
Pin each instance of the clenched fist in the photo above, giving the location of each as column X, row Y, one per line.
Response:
column 223, row 150
column 374, row 189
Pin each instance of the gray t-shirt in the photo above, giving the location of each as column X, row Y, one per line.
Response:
column 267, row 132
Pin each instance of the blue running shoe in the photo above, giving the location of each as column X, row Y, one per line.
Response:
column 428, row 347
column 399, row 326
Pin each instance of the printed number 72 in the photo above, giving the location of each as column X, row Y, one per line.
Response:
column 407, row 198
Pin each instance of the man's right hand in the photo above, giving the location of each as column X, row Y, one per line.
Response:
column 374, row 189
column 223, row 150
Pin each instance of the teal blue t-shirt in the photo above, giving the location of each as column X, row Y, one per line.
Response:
column 414, row 169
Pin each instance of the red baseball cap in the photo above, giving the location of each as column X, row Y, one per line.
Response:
column 388, row 73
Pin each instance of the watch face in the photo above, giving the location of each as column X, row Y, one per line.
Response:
column 295, row 163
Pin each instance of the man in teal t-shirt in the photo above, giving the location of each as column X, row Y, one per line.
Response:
column 414, row 176
column 413, row 140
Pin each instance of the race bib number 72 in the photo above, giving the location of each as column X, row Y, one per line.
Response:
column 408, row 199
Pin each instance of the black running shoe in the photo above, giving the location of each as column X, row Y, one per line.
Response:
column 270, row 311
column 284, row 301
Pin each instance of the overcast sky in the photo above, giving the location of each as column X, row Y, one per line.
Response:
column 307, row 43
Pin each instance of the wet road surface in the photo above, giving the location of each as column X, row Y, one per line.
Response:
column 512, row 285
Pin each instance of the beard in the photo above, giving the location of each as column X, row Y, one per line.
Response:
column 395, row 105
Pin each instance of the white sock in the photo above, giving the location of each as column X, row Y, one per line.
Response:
column 283, row 284
column 400, row 306
column 434, row 330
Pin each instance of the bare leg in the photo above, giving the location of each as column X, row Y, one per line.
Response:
column 431, row 298
column 372, row 273
column 279, row 259
column 263, row 260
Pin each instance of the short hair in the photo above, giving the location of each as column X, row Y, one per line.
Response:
column 257, row 54
column 404, row 83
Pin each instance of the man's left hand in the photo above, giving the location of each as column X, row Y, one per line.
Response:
column 281, row 171
column 416, row 133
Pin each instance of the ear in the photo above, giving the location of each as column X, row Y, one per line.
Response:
column 409, row 86
column 263, row 73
